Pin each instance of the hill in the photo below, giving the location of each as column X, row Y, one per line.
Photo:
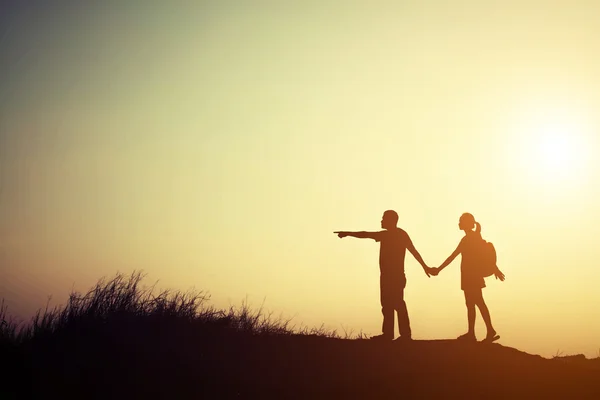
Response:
column 116, row 343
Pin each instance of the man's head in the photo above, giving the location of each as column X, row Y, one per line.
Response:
column 389, row 219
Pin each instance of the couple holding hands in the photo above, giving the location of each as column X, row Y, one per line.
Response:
column 394, row 243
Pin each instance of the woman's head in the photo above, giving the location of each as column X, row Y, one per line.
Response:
column 467, row 223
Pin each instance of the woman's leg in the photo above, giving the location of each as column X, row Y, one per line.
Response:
column 485, row 312
column 470, row 302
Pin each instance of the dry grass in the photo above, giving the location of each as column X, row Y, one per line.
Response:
column 124, row 300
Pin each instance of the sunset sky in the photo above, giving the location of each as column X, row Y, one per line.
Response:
column 218, row 145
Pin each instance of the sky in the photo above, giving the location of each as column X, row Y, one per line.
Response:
column 217, row 146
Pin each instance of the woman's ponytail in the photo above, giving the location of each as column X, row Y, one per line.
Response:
column 477, row 227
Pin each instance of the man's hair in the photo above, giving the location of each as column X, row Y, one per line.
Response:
column 392, row 215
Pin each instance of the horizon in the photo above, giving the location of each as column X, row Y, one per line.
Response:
column 218, row 146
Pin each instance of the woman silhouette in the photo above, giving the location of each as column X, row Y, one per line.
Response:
column 471, row 279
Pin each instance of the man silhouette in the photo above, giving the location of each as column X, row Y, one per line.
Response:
column 394, row 242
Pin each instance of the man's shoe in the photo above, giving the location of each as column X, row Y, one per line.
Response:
column 382, row 338
column 467, row 337
column 404, row 339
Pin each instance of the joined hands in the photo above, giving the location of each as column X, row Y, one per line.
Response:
column 431, row 271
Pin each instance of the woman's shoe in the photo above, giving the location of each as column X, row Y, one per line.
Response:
column 491, row 337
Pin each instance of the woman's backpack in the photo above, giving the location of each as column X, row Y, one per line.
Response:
column 487, row 262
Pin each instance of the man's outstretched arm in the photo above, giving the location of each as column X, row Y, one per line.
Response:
column 411, row 247
column 360, row 235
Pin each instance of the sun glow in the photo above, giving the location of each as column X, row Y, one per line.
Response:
column 555, row 147
column 557, row 150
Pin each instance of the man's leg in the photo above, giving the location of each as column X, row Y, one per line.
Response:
column 403, row 320
column 387, row 308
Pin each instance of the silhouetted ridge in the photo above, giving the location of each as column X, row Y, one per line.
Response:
column 122, row 341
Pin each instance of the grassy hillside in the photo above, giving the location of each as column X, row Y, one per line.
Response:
column 123, row 341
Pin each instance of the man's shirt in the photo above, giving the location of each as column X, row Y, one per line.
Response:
column 392, row 250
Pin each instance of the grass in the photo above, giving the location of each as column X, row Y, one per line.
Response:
column 124, row 300
column 8, row 328
column 121, row 325
column 558, row 354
